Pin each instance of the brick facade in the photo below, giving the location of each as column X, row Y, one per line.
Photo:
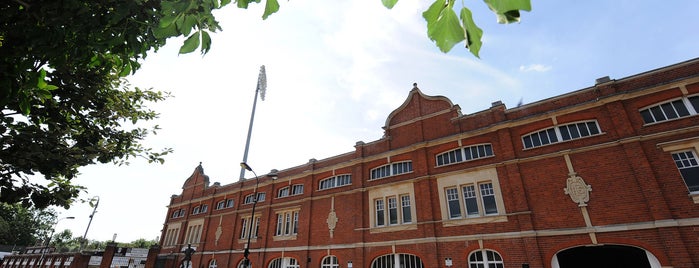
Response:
column 613, row 186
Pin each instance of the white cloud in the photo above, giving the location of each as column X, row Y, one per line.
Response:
column 535, row 68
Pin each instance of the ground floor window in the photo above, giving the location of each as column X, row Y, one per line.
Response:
column 284, row 263
column 485, row 259
column 330, row 262
column 397, row 261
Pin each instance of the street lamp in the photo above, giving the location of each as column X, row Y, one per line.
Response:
column 94, row 210
column 48, row 241
column 273, row 175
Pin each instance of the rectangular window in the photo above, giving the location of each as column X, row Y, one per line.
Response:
column 297, row 189
column 688, row 165
column 453, row 203
column 287, row 223
column 244, row 228
column 229, row 203
column 380, row 220
column 283, row 192
column 406, row 209
column 392, row 211
column 488, row 196
column 204, row 208
column 470, row 200
column 221, row 204
column 280, row 224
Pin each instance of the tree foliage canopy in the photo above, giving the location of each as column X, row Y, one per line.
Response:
column 63, row 98
column 23, row 226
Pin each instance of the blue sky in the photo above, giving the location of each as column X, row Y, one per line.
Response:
column 336, row 70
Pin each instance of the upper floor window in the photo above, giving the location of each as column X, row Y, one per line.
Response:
column 471, row 200
column 561, row 133
column 200, row 209
column 677, row 108
column 246, row 225
column 226, row 203
column 465, row 154
column 287, row 223
column 485, row 258
column 296, row 189
column 178, row 213
column 335, row 181
column 686, row 162
column 171, row 236
column 249, row 199
column 392, row 169
column 194, row 232
column 393, row 210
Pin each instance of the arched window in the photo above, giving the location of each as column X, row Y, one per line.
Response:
column 241, row 264
column 397, row 260
column 284, row 263
column 485, row 258
column 212, row 263
column 329, row 262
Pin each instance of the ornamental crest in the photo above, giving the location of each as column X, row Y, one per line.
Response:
column 578, row 190
column 332, row 221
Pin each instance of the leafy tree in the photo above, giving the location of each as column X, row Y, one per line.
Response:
column 24, row 226
column 64, row 102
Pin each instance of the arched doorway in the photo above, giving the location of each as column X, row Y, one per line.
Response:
column 605, row 256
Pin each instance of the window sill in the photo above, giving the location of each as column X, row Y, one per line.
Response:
column 245, row 240
column 393, row 228
column 477, row 220
column 284, row 237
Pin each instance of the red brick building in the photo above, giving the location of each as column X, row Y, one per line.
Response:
column 605, row 176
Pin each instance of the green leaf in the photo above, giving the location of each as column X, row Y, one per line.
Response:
column 507, row 11
column 242, row 3
column 225, row 2
column 188, row 24
column 389, row 3
column 205, row 42
column 473, row 33
column 190, row 44
column 444, row 28
column 125, row 70
column 165, row 32
column 167, row 21
column 271, row 7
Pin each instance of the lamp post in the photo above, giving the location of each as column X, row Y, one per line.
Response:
column 273, row 175
column 48, row 241
column 94, row 210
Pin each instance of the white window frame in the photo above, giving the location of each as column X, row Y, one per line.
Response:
column 335, row 181
column 678, row 146
column 245, row 224
column 194, row 231
column 452, row 189
column 287, row 224
column 249, row 198
column 330, row 261
column 391, row 169
column 285, row 262
column 381, row 206
column 297, row 189
column 663, row 108
column 460, row 155
column 485, row 261
column 555, row 132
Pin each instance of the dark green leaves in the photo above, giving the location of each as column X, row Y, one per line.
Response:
column 473, row 32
